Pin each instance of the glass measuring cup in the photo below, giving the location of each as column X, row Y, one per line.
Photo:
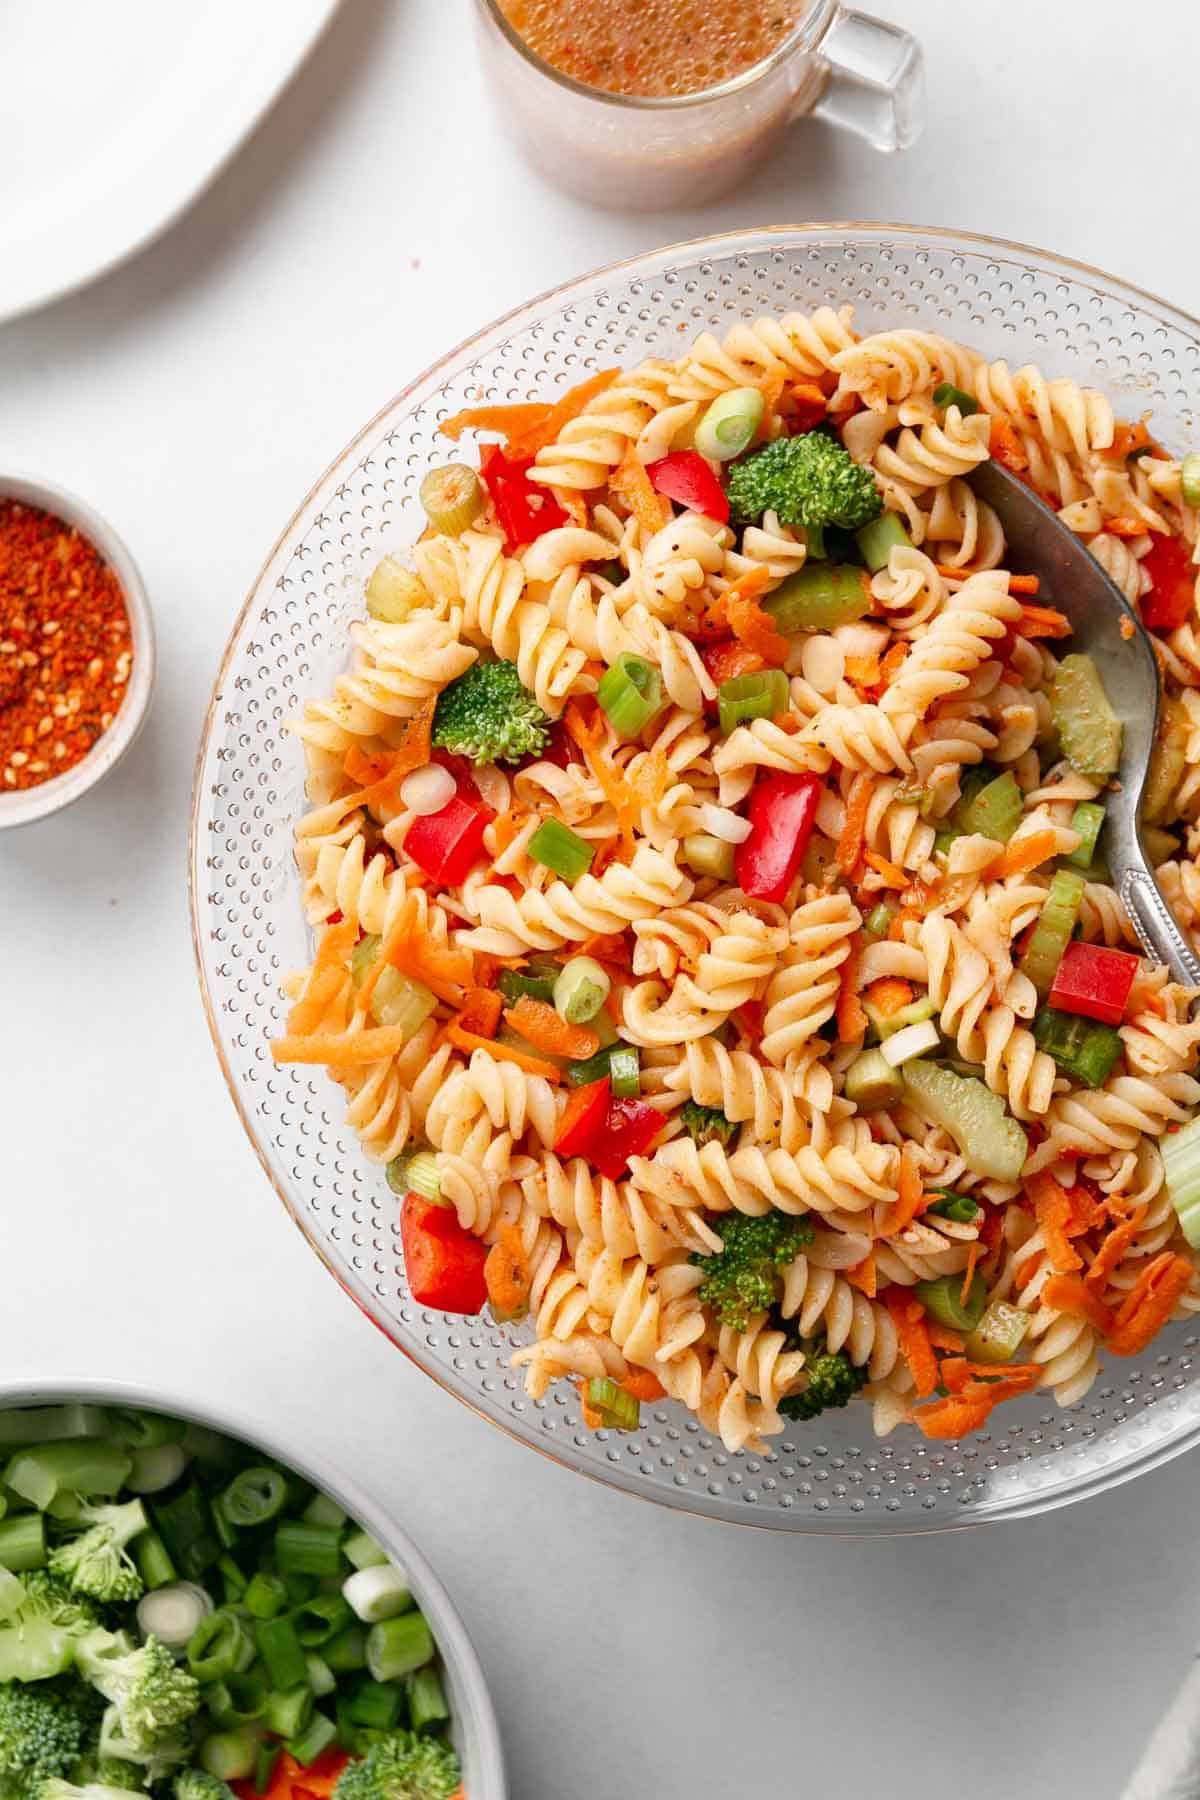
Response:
column 629, row 150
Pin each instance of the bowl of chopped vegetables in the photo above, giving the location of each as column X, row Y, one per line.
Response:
column 185, row 1612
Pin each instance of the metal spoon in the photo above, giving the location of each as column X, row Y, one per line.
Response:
column 1075, row 583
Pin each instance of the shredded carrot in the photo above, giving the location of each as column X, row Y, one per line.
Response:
column 810, row 405
column 910, row 1200
column 540, row 1025
column 1126, row 525
column 382, row 773
column 851, row 1019
column 749, row 623
column 725, row 661
column 1148, row 1306
column 446, row 972
column 541, row 432
column 850, row 841
column 864, row 1276
column 1113, row 1249
column 327, row 974
column 590, row 735
column 1006, row 447
column 1052, row 1210
column 889, row 994
column 643, row 1385
column 506, row 827
column 480, row 1011
column 955, row 1417
column 893, row 876
column 342, row 1049
column 908, row 1316
column 1088, row 1210
column 506, row 1273
column 1024, row 584
column 607, row 947
column 973, row 1255
column 890, row 666
column 469, row 1040
column 1128, row 438
column 942, row 1338
column 896, row 928
column 863, row 671
column 964, row 1377
column 366, row 767
column 1043, row 621
column 1026, row 853
column 1071, row 1294
column 509, row 421
column 631, row 483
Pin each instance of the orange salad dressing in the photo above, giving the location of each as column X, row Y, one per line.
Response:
column 654, row 48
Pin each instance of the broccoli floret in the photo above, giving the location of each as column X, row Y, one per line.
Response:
column 832, row 1380
column 402, row 1766
column 42, row 1733
column 151, row 1694
column 40, row 1638
column 96, row 1563
column 167, row 1755
column 57, row 1789
column 706, row 1124
column 114, row 1772
column 808, row 480
column 743, row 1277
column 197, row 1784
column 490, row 715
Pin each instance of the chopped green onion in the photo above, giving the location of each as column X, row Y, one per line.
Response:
column 253, row 1497
column 225, row 1529
column 517, row 984
column 21, row 1426
column 313, row 1741
column 630, row 693
column 872, row 1082
column 266, row 1596
column 264, row 1765
column 911, row 1040
column 220, row 1646
column 321, row 1510
column 347, row 1651
column 12, row 1594
column 376, row 1704
column 379, row 1592
column 231, row 1755
column 581, row 990
column 879, row 537
column 624, row 1072
column 396, row 1647
column 1180, row 1152
column 427, row 1706
column 323, row 1617
column 1082, row 1049
column 560, row 850
column 1052, row 933
column 995, row 810
column 393, row 591
column 153, row 1560
column 452, row 497
column 707, row 855
column 1088, row 821
column 287, row 1711
column 942, row 1299
column 362, row 1552
column 143, row 1430
column 998, row 1335
column 730, row 423
column 1189, row 478
column 819, row 597
column 157, row 1468
column 23, row 1542
column 416, row 1172
column 760, row 695
column 618, row 1409
column 593, row 1068
column 321, row 1678
column 946, row 394
column 878, row 921
column 282, row 1652
column 174, row 1614
column 78, row 1466
column 950, row 1205
column 302, row 1549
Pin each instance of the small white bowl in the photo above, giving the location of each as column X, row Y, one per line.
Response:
column 21, row 806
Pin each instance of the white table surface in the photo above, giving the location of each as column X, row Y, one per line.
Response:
column 376, row 218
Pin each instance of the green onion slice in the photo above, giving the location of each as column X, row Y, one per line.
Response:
column 416, row 1172
column 730, row 423
column 254, row 1496
column 560, row 850
column 951, row 1205
column 452, row 497
column 393, row 591
column 946, row 394
column 624, row 1072
column 1189, row 478
column 878, row 921
column 618, row 1410
column 706, row 855
column 630, row 693
column 581, row 990
column 760, row 695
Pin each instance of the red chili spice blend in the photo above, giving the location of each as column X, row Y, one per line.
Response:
column 65, row 645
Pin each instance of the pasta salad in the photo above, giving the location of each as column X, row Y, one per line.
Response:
column 706, row 863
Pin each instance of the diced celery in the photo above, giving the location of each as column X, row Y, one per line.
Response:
column 871, row 1082
column 942, row 1299
column 993, row 1143
column 1180, row 1152
column 910, row 1041
column 78, row 1466
column 1088, row 727
column 1052, row 933
column 393, row 591
column 1081, row 1048
column 995, row 811
column 397, row 999
column 362, row 956
column 998, row 1335
column 915, row 1013
column 879, row 537
column 818, row 597
column 706, row 855
column 1088, row 821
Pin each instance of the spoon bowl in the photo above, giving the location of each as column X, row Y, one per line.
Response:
column 1104, row 627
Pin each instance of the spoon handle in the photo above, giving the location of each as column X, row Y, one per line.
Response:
column 1159, row 935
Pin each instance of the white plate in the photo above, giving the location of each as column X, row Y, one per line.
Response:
column 116, row 115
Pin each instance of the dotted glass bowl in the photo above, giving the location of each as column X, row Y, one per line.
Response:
column 290, row 641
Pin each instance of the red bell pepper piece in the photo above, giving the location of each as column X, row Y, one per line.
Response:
column 1168, row 603
column 524, row 508
column 782, row 811
column 446, row 844
column 444, row 1263
column 583, row 1120
column 1094, row 981
column 686, row 477
column 604, row 1131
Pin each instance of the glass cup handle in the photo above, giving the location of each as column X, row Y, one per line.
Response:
column 874, row 80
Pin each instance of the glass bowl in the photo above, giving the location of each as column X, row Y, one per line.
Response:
column 290, row 641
